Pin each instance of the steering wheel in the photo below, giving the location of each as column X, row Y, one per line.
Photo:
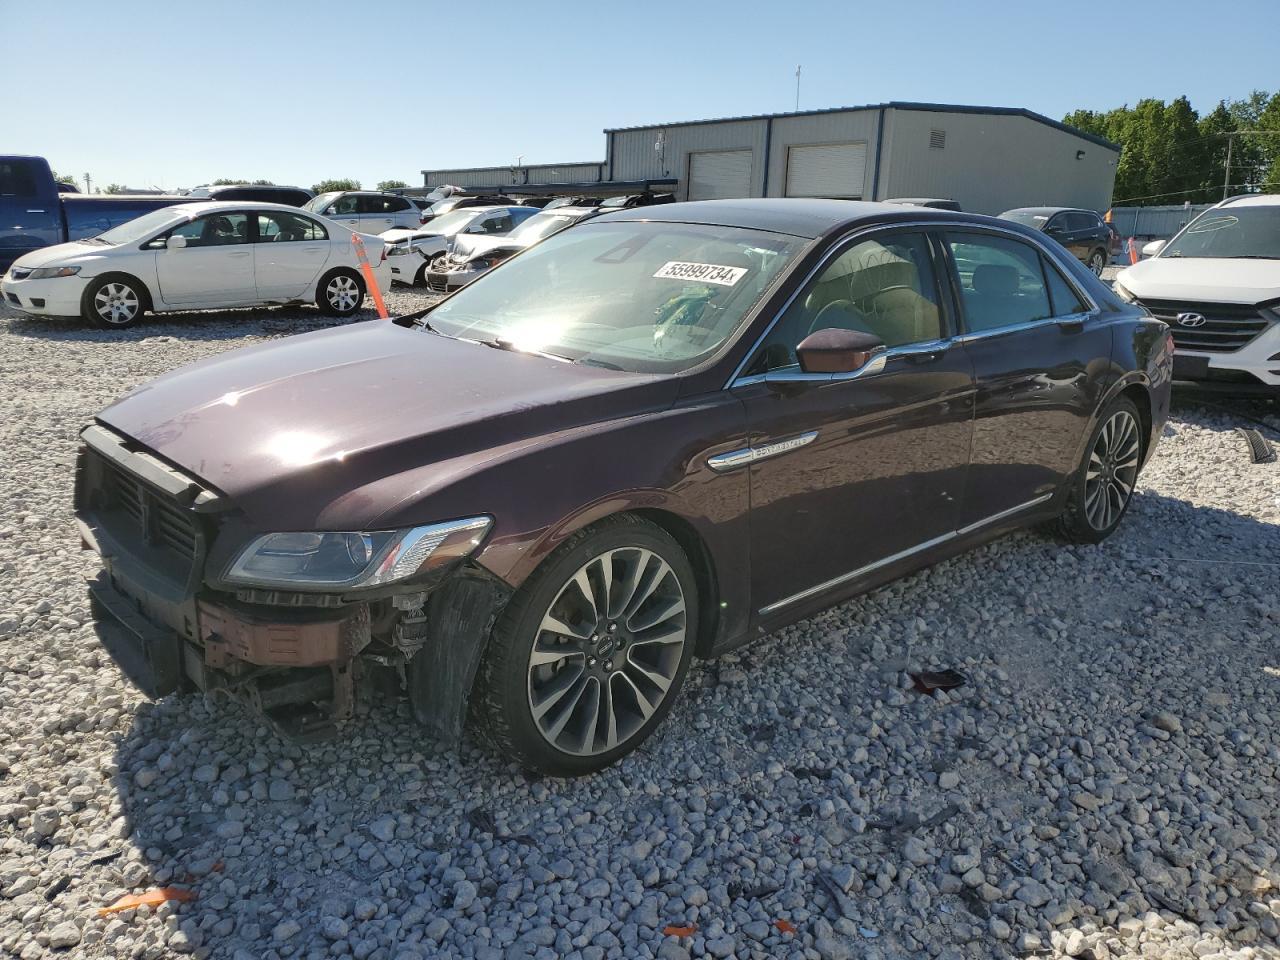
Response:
column 839, row 314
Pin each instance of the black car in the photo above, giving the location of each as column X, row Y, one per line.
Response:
column 934, row 203
column 263, row 193
column 1081, row 231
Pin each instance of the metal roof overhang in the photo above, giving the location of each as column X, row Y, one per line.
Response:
column 595, row 188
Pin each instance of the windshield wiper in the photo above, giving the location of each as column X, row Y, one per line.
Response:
column 1256, row 256
column 593, row 362
column 500, row 343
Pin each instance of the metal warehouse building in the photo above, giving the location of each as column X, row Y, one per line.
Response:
column 988, row 158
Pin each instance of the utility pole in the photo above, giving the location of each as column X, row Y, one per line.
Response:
column 798, row 88
column 1226, row 177
column 88, row 184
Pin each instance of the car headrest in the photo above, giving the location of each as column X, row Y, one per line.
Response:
column 995, row 279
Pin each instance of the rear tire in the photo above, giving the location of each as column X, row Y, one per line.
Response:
column 574, row 697
column 114, row 301
column 340, row 293
column 1098, row 262
column 1103, row 486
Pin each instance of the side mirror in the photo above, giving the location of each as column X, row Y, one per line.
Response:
column 1152, row 248
column 176, row 243
column 839, row 351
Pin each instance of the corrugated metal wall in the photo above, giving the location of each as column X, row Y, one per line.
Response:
column 991, row 162
column 1154, row 223
column 507, row 176
column 847, row 127
column 653, row 152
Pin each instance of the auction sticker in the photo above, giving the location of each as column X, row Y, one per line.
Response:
column 702, row 272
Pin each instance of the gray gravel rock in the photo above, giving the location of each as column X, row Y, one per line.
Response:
column 1105, row 781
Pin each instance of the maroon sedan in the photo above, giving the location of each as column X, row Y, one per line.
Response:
column 660, row 434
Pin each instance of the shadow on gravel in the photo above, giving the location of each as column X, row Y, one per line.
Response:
column 1134, row 680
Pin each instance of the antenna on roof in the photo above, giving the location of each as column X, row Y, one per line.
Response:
column 798, row 87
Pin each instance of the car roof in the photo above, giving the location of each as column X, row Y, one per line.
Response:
column 1253, row 200
column 230, row 206
column 569, row 211
column 1048, row 210
column 800, row 218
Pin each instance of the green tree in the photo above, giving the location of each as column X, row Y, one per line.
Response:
column 327, row 186
column 63, row 178
column 391, row 185
column 264, row 183
column 114, row 188
column 1269, row 143
column 225, row 182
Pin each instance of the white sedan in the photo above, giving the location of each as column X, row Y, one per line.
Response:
column 409, row 251
column 194, row 257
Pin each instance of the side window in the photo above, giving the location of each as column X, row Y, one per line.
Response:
column 276, row 227
column 1081, row 221
column 1001, row 282
column 344, row 206
column 18, row 179
column 397, row 204
column 884, row 286
column 1065, row 300
column 215, row 230
column 500, row 223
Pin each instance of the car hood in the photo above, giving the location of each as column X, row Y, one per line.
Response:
column 75, row 252
column 1213, row 280
column 293, row 430
column 473, row 246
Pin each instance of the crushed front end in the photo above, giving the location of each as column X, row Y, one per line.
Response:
column 302, row 655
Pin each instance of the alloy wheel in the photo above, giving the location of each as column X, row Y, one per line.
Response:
column 116, row 303
column 1097, row 262
column 607, row 651
column 1112, row 471
column 343, row 293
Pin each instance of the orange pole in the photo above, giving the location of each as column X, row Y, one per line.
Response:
column 370, row 281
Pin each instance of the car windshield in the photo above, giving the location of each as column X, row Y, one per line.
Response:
column 1246, row 233
column 1028, row 218
column 316, row 204
column 540, row 226
column 142, row 227
column 448, row 224
column 444, row 206
column 644, row 297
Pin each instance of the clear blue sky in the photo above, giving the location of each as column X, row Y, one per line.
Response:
column 176, row 93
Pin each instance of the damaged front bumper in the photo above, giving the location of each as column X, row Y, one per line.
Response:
column 304, row 662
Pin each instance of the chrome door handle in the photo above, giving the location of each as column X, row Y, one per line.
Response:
column 238, row 253
column 922, row 352
column 35, row 211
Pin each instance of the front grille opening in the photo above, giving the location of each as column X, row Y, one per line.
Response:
column 1214, row 327
column 146, row 522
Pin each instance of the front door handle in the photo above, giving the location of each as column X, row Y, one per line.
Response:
column 923, row 352
column 35, row 211
column 1073, row 324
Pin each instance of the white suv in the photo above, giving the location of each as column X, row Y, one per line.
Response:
column 1217, row 284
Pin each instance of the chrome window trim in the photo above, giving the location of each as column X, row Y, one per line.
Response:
column 900, row 555
column 861, row 233
column 724, row 462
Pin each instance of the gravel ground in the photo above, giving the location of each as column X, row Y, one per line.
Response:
column 1104, row 785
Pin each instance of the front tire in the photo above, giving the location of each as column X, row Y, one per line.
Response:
column 340, row 293
column 1102, row 488
column 114, row 302
column 1097, row 262
column 589, row 655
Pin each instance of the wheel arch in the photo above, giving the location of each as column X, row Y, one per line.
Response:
column 704, row 571
column 149, row 301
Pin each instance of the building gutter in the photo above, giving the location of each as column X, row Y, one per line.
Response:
column 768, row 142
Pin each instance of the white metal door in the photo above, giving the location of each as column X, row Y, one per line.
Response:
column 827, row 170
column 720, row 175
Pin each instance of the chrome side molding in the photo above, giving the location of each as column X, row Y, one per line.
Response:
column 900, row 555
column 724, row 462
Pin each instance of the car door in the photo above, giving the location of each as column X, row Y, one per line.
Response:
column 346, row 210
column 375, row 214
column 30, row 210
column 289, row 252
column 1041, row 354
column 1059, row 227
column 402, row 213
column 214, row 268
column 850, row 473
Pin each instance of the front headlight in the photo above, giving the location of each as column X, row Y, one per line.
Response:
column 352, row 560
column 46, row 273
column 397, row 250
column 1122, row 292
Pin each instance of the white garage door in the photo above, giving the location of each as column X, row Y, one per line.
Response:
column 827, row 170
column 720, row 175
